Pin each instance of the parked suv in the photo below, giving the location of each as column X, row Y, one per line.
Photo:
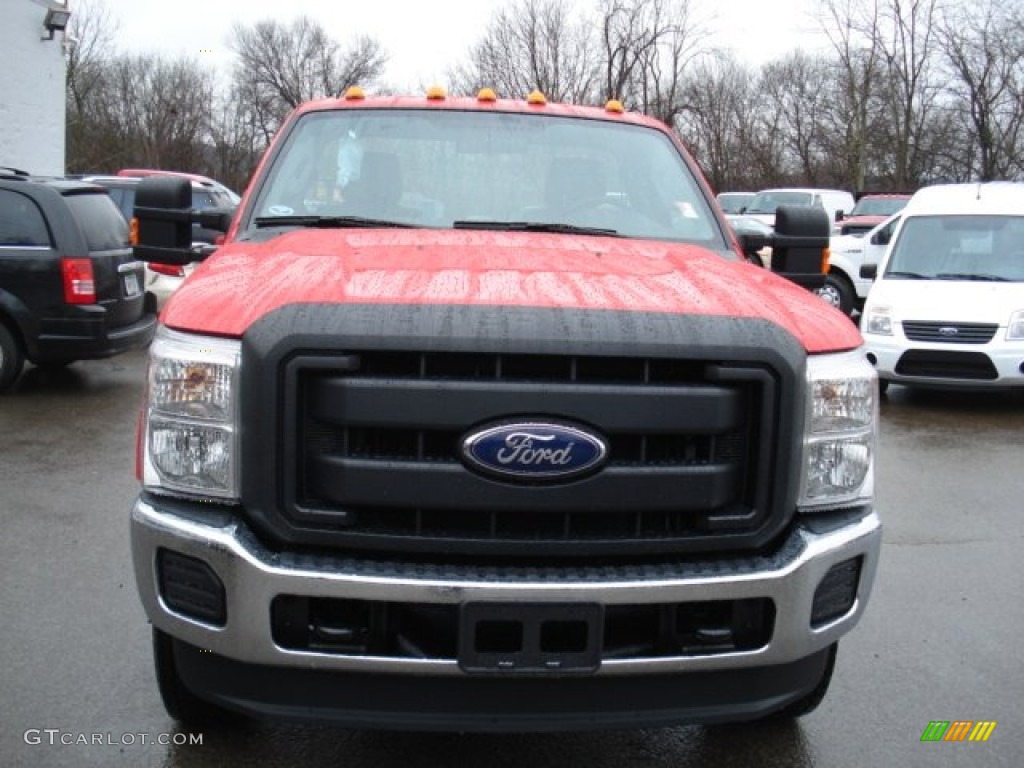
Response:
column 70, row 288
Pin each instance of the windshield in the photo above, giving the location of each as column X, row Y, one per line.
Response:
column 959, row 248
column 733, row 202
column 448, row 169
column 878, row 206
column 767, row 202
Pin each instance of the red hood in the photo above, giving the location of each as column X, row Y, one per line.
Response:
column 244, row 281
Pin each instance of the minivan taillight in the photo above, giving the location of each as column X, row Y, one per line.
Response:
column 79, row 283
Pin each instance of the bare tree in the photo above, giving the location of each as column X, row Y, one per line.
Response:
column 853, row 29
column 648, row 46
column 279, row 67
column 90, row 47
column 533, row 44
column 983, row 46
column 234, row 142
column 630, row 31
column 908, row 48
column 719, row 124
column 157, row 111
column 794, row 90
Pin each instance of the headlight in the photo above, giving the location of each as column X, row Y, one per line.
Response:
column 840, row 431
column 191, row 444
column 878, row 321
column 1015, row 329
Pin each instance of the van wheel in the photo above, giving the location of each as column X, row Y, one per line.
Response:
column 11, row 358
column 838, row 292
column 810, row 702
column 180, row 703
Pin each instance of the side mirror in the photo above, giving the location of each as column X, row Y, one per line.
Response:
column 840, row 215
column 800, row 244
column 162, row 231
column 751, row 242
column 215, row 218
column 869, row 271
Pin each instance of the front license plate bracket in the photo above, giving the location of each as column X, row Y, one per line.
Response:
column 531, row 638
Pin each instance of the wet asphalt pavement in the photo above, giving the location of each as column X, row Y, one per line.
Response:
column 939, row 640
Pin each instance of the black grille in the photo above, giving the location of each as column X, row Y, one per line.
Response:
column 376, row 452
column 946, row 365
column 950, row 333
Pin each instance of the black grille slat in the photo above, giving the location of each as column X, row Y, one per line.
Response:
column 438, row 404
column 571, row 368
column 950, row 333
column 366, row 482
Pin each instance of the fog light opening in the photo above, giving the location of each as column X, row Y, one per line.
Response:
column 872, row 359
column 836, row 593
column 190, row 587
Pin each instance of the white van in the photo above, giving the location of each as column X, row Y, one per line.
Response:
column 947, row 305
column 836, row 202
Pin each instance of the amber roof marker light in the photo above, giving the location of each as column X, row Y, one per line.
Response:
column 537, row 99
column 486, row 94
column 354, row 93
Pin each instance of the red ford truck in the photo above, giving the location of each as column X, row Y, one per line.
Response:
column 479, row 420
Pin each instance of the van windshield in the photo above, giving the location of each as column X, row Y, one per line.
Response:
column 487, row 170
column 976, row 248
column 768, row 202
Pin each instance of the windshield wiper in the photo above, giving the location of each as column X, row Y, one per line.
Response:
column 534, row 226
column 327, row 222
column 908, row 275
column 971, row 276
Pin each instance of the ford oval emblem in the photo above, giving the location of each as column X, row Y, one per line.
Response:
column 534, row 451
column 949, row 330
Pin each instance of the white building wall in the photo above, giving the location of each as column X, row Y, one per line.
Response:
column 32, row 74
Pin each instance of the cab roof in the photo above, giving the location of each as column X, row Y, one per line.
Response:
column 1004, row 198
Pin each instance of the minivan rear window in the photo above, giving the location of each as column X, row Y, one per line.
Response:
column 100, row 220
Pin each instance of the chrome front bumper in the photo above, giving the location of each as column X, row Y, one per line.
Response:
column 253, row 576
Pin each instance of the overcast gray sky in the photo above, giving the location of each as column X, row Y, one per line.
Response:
column 423, row 38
